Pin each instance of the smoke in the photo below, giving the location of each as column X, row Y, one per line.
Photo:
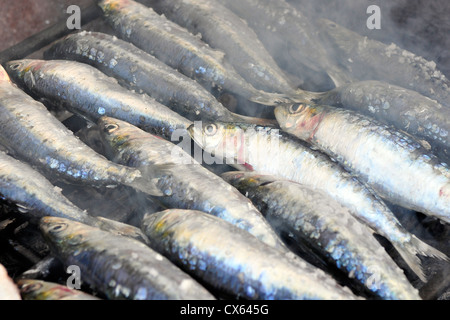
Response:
column 421, row 27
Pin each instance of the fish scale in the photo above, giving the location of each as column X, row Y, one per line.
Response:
column 390, row 162
column 268, row 150
column 406, row 175
column 223, row 30
column 186, row 183
column 234, row 262
column 179, row 49
column 405, row 109
column 290, row 37
column 369, row 59
column 34, row 135
column 119, row 267
column 36, row 197
column 85, row 90
column 329, row 228
column 140, row 71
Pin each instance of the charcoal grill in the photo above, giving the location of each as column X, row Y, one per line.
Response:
column 21, row 246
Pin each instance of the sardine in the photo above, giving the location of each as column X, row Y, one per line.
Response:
column 32, row 289
column 179, row 49
column 311, row 216
column 84, row 90
column 234, row 262
column 8, row 289
column 118, row 267
column 392, row 162
column 223, row 30
column 32, row 134
column 407, row 110
column 137, row 70
column 290, row 37
column 369, row 59
column 185, row 182
column 36, row 197
column 268, row 150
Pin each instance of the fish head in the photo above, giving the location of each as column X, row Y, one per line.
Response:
column 116, row 136
column 24, row 71
column 221, row 139
column 30, row 287
column 62, row 233
column 300, row 119
column 166, row 223
column 159, row 222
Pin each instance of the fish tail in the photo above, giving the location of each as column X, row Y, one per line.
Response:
column 427, row 250
column 414, row 247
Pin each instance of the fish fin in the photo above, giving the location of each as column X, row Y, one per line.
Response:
column 147, row 182
column 254, row 120
column 339, row 80
column 271, row 99
column 122, row 229
column 411, row 249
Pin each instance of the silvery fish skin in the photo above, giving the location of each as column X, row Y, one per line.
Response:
column 311, row 215
column 140, row 71
column 8, row 289
column 289, row 36
column 31, row 191
column 32, row 289
column 233, row 261
column 369, row 59
column 407, row 110
column 268, row 150
column 85, row 90
column 185, row 183
column 178, row 48
column 34, row 135
column 37, row 197
column 118, row 267
column 397, row 167
column 225, row 31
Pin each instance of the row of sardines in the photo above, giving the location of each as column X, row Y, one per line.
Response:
column 235, row 181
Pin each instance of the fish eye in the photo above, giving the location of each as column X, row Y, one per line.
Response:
column 58, row 227
column 15, row 66
column 210, row 129
column 297, row 107
column 110, row 128
column 31, row 287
